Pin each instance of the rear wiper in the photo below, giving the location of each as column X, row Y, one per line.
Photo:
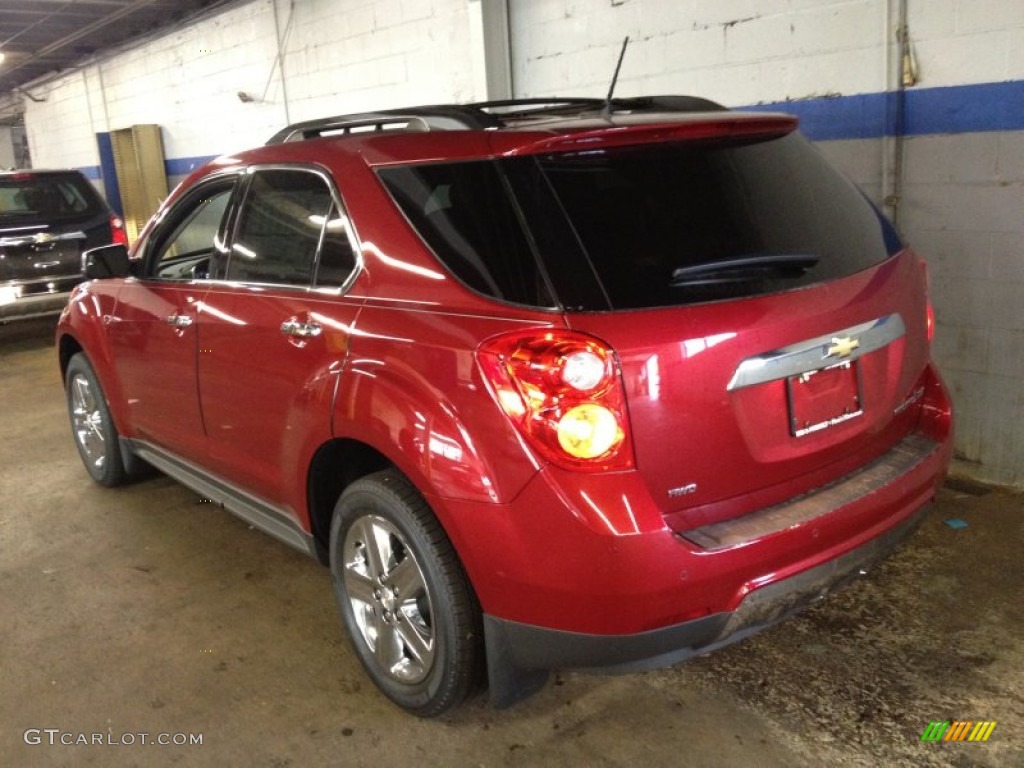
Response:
column 748, row 267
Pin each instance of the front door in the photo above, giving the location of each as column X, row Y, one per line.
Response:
column 154, row 331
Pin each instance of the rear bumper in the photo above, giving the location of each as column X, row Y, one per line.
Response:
column 33, row 304
column 519, row 655
column 584, row 572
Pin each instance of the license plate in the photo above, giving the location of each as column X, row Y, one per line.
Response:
column 822, row 399
column 8, row 294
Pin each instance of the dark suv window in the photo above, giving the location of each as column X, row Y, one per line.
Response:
column 636, row 227
column 48, row 196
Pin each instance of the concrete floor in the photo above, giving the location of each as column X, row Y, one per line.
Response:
column 141, row 610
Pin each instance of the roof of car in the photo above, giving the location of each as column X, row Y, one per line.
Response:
column 8, row 172
column 491, row 115
column 517, row 127
column 552, row 114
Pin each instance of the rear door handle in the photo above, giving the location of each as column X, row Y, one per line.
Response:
column 180, row 321
column 300, row 330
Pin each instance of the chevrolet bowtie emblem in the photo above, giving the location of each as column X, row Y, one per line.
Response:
column 43, row 237
column 842, row 347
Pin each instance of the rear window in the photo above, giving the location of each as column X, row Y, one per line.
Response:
column 640, row 227
column 48, row 197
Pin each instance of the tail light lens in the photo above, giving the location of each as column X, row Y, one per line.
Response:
column 563, row 392
column 118, row 235
column 929, row 318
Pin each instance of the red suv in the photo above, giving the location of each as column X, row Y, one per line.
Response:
column 547, row 384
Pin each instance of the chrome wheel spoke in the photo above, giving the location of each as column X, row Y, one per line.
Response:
column 378, row 549
column 358, row 586
column 406, row 579
column 389, row 646
column 418, row 640
column 389, row 599
column 88, row 423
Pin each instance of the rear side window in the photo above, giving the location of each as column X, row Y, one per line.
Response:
column 47, row 196
column 280, row 227
column 464, row 213
column 681, row 223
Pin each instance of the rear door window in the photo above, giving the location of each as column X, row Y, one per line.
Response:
column 280, row 228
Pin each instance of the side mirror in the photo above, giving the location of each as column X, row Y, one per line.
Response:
column 107, row 261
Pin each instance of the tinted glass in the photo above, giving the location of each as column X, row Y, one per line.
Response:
column 465, row 215
column 337, row 259
column 680, row 223
column 279, row 228
column 47, row 196
column 190, row 249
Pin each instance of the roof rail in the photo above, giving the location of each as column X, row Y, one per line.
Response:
column 485, row 114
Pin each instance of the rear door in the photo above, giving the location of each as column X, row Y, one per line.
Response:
column 273, row 334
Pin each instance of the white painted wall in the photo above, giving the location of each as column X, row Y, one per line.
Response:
column 751, row 51
column 337, row 57
column 7, row 154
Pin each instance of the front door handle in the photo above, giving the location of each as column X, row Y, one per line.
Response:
column 300, row 330
column 180, row 321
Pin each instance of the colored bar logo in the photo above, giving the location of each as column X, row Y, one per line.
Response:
column 959, row 730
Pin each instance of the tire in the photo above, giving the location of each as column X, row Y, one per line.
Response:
column 92, row 427
column 410, row 612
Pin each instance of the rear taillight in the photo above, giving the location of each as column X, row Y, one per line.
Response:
column 929, row 312
column 118, row 235
column 563, row 392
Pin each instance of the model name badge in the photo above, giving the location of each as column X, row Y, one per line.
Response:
column 683, row 490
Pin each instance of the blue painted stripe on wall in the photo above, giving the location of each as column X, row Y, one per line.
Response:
column 180, row 166
column 109, row 172
column 953, row 109
column 176, row 166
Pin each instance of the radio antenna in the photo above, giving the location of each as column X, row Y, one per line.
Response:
column 607, row 111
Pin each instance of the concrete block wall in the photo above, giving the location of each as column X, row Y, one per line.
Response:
column 7, row 152
column 336, row 58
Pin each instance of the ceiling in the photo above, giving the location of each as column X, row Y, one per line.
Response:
column 45, row 36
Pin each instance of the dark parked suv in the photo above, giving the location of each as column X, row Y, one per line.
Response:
column 47, row 220
column 545, row 383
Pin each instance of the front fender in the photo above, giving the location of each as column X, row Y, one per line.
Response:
column 82, row 326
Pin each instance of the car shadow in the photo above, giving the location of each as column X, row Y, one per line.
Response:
column 24, row 335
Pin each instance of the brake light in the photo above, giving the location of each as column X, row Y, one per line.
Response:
column 929, row 312
column 562, row 390
column 118, row 235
